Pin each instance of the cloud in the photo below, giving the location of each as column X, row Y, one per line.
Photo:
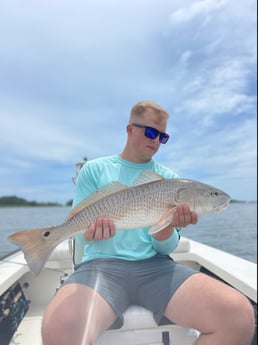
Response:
column 196, row 9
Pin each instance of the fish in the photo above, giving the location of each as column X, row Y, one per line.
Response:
column 149, row 202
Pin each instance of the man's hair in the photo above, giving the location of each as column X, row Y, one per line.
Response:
column 139, row 108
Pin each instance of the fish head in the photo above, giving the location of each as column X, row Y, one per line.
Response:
column 202, row 198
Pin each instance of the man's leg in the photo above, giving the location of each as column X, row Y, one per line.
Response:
column 76, row 316
column 220, row 313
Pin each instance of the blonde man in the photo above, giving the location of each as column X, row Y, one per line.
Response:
column 120, row 268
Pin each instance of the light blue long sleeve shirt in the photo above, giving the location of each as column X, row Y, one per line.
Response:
column 136, row 244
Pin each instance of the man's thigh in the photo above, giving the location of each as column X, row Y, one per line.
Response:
column 198, row 302
column 79, row 308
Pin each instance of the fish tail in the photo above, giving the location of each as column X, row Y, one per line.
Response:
column 35, row 245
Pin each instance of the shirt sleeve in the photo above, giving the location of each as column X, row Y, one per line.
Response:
column 167, row 246
column 85, row 185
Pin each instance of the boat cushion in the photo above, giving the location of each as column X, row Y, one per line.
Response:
column 137, row 317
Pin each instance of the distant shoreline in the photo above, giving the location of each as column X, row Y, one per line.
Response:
column 14, row 201
column 244, row 201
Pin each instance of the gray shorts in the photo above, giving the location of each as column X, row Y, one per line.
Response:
column 149, row 283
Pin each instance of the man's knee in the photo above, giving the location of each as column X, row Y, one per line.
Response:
column 249, row 318
column 242, row 316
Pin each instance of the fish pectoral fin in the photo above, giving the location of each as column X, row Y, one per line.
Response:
column 164, row 221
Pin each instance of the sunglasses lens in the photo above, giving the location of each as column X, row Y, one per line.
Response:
column 151, row 133
column 163, row 138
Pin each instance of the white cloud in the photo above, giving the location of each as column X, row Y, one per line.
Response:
column 195, row 9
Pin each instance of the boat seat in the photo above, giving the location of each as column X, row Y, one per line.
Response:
column 140, row 328
column 137, row 317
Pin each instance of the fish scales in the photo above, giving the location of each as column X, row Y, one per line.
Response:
column 133, row 207
column 126, row 209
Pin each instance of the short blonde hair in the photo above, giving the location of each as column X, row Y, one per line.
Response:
column 139, row 108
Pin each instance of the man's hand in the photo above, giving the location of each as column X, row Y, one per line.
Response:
column 182, row 216
column 101, row 230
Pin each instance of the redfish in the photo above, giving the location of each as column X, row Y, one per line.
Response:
column 149, row 202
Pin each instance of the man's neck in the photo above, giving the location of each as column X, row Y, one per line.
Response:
column 130, row 157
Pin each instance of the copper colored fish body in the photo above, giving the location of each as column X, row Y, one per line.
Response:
column 148, row 203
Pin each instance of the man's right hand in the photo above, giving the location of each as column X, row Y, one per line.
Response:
column 101, row 230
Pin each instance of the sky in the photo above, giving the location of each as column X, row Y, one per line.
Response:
column 70, row 72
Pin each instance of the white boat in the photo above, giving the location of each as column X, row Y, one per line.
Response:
column 20, row 289
column 24, row 296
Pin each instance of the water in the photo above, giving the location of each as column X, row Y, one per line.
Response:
column 233, row 230
column 14, row 219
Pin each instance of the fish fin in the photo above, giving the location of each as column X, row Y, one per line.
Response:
column 147, row 176
column 35, row 246
column 104, row 191
column 164, row 221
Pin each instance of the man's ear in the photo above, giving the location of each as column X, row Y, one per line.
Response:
column 129, row 129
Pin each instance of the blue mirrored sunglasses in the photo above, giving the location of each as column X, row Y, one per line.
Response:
column 152, row 133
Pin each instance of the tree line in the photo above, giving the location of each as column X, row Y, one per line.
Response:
column 16, row 201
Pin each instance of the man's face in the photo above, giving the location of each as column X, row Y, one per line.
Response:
column 144, row 147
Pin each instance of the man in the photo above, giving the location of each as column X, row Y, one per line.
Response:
column 120, row 268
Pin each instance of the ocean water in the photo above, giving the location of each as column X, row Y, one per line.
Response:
column 233, row 230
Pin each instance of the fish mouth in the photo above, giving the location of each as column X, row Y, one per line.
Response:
column 222, row 206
